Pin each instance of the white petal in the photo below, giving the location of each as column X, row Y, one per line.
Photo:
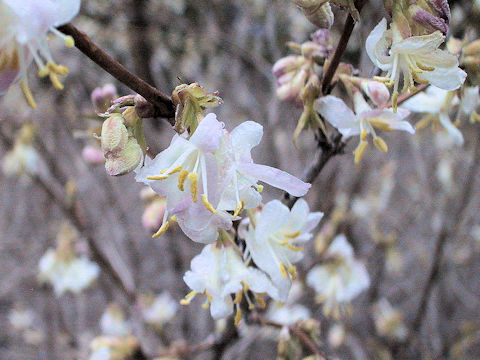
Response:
column 430, row 101
column 246, row 136
column 275, row 177
column 337, row 113
column 451, row 129
column 374, row 40
column 208, row 134
column 221, row 307
column 66, row 11
column 450, row 78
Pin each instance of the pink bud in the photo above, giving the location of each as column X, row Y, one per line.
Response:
column 286, row 64
column 102, row 97
column 93, row 155
column 153, row 215
column 429, row 21
column 376, row 91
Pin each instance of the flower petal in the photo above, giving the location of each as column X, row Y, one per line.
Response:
column 451, row 129
column 208, row 134
column 275, row 177
column 337, row 113
column 375, row 40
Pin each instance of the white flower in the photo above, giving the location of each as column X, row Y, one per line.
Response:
column 341, row 278
column 67, row 274
column 187, row 174
column 161, row 310
column 273, row 241
column 22, row 159
column 23, row 39
column 363, row 122
column 242, row 174
column 211, row 173
column 218, row 272
column 290, row 312
column 436, row 103
column 113, row 322
column 389, row 321
column 418, row 58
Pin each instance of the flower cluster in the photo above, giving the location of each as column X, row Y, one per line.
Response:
column 62, row 269
column 25, row 26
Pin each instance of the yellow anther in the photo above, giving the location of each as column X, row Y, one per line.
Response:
column 238, row 297
column 188, row 298
column 162, row 230
column 209, row 297
column 43, row 72
column 181, row 179
column 157, row 177
column 69, row 41
column 173, row 218
column 245, row 286
column 418, row 80
column 292, row 270
column 294, row 235
column 387, row 81
column 294, row 248
column 238, row 317
column 28, row 94
column 259, row 188
column 251, row 306
column 360, row 151
column 424, row 67
column 380, row 124
column 261, row 303
column 56, row 83
column 395, row 101
column 424, row 122
column 174, row 171
column 193, row 177
column 57, row 69
column 283, row 271
column 208, row 205
column 239, row 209
column 363, row 135
column 380, row 144
column 206, row 305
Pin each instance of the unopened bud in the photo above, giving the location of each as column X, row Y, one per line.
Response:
column 321, row 16
column 287, row 64
column 472, row 49
column 428, row 20
column 376, row 91
column 125, row 160
column 102, row 97
column 93, row 155
column 442, row 9
column 114, row 133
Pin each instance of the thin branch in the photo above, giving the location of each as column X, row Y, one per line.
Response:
column 341, row 47
column 162, row 102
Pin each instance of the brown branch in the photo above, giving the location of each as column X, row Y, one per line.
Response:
column 162, row 102
column 341, row 47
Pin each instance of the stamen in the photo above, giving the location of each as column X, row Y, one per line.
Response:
column 395, row 101
column 238, row 316
column 193, row 177
column 238, row 297
column 157, row 177
column 380, row 124
column 208, row 205
column 292, row 270
column 360, row 151
column 28, row 94
column 259, row 188
column 424, row 122
column 181, row 179
column 173, row 218
column 283, row 271
column 162, row 230
column 363, row 135
column 294, row 248
column 261, row 303
column 380, row 144
column 424, row 67
column 188, row 298
column 174, row 171
column 294, row 235
column 239, row 209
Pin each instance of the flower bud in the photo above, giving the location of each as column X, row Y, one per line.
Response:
column 93, row 155
column 428, row 20
column 125, row 160
column 287, row 64
column 102, row 97
column 114, row 133
column 152, row 217
column 321, row 16
column 442, row 9
column 376, row 91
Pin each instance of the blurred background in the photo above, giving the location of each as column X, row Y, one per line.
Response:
column 396, row 209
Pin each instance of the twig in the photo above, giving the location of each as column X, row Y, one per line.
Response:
column 304, row 339
column 341, row 47
column 162, row 102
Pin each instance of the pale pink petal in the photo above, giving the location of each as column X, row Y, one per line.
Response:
column 275, row 177
column 208, row 134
